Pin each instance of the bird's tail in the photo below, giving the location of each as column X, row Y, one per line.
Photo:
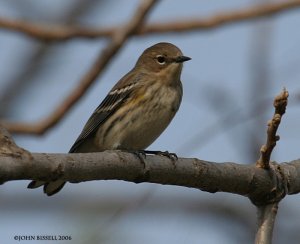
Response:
column 50, row 188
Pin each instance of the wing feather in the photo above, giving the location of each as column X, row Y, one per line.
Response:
column 108, row 106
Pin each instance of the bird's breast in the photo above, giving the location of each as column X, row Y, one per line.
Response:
column 138, row 123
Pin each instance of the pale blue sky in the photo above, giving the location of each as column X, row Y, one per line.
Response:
column 217, row 82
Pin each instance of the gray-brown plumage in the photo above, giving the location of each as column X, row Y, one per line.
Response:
column 136, row 110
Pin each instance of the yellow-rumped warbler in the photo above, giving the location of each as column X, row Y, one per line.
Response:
column 136, row 110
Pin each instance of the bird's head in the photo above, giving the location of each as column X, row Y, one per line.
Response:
column 163, row 59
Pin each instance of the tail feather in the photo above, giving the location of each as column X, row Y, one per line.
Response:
column 35, row 184
column 50, row 188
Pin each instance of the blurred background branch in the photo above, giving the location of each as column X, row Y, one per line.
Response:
column 118, row 40
column 60, row 33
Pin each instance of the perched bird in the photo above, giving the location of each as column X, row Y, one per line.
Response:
column 136, row 110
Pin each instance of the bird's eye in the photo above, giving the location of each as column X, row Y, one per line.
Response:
column 161, row 59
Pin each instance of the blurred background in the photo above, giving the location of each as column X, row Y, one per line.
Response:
column 229, row 85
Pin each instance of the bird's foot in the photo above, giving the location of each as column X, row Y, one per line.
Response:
column 141, row 154
column 167, row 154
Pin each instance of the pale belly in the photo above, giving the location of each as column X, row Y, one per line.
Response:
column 141, row 135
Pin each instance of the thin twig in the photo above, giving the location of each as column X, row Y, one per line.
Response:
column 59, row 33
column 266, row 214
column 118, row 40
column 280, row 104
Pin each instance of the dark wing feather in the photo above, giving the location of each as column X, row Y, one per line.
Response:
column 102, row 112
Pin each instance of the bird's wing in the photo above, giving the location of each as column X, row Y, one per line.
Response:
column 109, row 105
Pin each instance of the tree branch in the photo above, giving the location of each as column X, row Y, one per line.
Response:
column 266, row 219
column 60, row 33
column 119, row 38
column 246, row 180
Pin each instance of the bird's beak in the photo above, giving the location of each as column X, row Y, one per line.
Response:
column 181, row 59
